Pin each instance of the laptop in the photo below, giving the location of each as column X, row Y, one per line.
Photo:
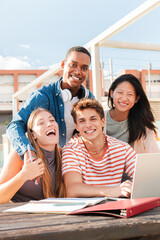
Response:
column 146, row 180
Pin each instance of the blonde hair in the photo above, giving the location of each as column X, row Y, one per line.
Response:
column 59, row 190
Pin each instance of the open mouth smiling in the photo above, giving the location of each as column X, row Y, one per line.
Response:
column 51, row 132
column 123, row 104
column 75, row 78
column 90, row 131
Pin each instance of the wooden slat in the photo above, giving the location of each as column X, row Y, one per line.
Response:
column 52, row 226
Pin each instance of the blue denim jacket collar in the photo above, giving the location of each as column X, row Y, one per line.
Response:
column 58, row 87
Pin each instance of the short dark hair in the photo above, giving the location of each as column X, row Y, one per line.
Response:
column 78, row 49
column 86, row 103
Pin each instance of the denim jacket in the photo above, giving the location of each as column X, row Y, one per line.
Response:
column 48, row 97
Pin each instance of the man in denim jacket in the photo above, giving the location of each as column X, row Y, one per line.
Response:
column 57, row 98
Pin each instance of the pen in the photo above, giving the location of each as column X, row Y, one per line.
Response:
column 29, row 151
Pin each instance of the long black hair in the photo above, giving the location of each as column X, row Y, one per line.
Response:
column 140, row 115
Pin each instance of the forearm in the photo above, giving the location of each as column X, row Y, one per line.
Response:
column 85, row 190
column 9, row 188
column 16, row 133
column 12, row 181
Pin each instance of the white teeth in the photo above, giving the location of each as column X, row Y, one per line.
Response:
column 89, row 131
column 123, row 104
column 50, row 132
column 76, row 78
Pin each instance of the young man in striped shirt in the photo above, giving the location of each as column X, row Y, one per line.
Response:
column 93, row 163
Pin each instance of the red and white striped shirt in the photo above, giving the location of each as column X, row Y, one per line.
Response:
column 118, row 157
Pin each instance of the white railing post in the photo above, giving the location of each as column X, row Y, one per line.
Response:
column 6, row 147
column 96, row 78
column 14, row 105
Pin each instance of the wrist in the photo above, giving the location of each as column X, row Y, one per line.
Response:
column 22, row 176
column 114, row 191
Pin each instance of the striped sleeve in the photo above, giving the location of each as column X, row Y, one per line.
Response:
column 70, row 161
column 130, row 161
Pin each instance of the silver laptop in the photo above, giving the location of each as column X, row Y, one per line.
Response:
column 146, row 180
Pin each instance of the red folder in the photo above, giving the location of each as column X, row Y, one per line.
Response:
column 122, row 208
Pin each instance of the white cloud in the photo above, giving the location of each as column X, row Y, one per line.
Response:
column 26, row 46
column 10, row 63
column 25, row 58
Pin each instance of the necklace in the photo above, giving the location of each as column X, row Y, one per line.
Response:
column 96, row 152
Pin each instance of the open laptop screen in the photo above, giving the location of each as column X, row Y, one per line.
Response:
column 146, row 180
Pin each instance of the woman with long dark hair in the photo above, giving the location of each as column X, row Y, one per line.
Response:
column 130, row 118
column 17, row 177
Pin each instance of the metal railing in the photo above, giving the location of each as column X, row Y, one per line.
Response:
column 35, row 82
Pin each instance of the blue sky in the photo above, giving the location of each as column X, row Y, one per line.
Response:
column 37, row 33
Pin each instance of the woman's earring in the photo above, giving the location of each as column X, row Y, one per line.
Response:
column 135, row 101
column 112, row 96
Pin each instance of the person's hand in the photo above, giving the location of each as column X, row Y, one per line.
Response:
column 126, row 188
column 32, row 169
column 121, row 190
column 34, row 157
column 26, row 156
